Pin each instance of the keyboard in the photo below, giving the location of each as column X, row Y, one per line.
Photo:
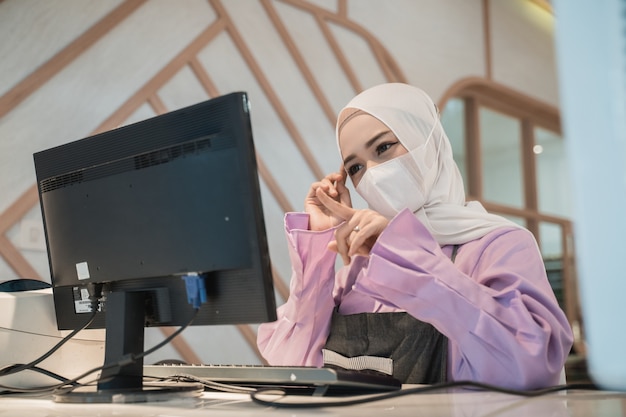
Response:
column 293, row 379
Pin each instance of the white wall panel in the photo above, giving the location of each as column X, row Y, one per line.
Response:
column 522, row 41
column 434, row 42
column 33, row 31
column 359, row 54
column 287, row 81
column 316, row 52
column 75, row 101
column 182, row 90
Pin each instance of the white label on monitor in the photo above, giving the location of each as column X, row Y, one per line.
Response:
column 82, row 269
column 82, row 303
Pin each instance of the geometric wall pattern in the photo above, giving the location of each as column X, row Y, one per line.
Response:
column 195, row 62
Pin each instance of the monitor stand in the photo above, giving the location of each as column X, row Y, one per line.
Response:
column 125, row 321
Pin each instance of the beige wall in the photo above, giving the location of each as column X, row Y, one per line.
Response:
column 65, row 74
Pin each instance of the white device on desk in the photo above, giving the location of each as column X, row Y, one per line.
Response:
column 591, row 47
column 28, row 329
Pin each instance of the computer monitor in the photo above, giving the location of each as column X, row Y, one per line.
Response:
column 134, row 214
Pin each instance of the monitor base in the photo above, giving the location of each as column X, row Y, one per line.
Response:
column 147, row 393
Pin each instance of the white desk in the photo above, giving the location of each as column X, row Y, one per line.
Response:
column 461, row 403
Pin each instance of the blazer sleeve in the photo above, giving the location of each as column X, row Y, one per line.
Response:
column 495, row 303
column 301, row 330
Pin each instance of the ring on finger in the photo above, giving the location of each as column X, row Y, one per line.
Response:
column 356, row 229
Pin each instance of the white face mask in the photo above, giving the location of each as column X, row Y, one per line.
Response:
column 393, row 186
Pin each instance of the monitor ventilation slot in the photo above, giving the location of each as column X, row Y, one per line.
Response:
column 137, row 162
column 165, row 155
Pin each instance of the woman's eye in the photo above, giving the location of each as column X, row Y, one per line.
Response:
column 353, row 169
column 383, row 147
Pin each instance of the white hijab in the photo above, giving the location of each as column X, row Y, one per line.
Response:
column 412, row 116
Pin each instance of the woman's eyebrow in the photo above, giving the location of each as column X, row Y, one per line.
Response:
column 368, row 145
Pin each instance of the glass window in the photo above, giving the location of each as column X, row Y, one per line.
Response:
column 453, row 122
column 551, row 242
column 501, row 154
column 553, row 184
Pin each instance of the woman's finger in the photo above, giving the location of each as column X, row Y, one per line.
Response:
column 341, row 242
column 358, row 241
column 328, row 184
column 371, row 225
column 337, row 208
column 344, row 193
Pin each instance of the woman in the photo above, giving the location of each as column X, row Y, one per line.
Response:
column 433, row 287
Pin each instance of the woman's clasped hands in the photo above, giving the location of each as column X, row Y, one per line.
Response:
column 328, row 204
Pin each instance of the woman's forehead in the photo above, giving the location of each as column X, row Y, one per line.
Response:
column 359, row 129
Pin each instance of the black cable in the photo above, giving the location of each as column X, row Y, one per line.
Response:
column 47, row 373
column 214, row 385
column 15, row 368
column 6, row 390
column 95, row 294
column 409, row 391
column 70, row 384
column 170, row 337
column 129, row 358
